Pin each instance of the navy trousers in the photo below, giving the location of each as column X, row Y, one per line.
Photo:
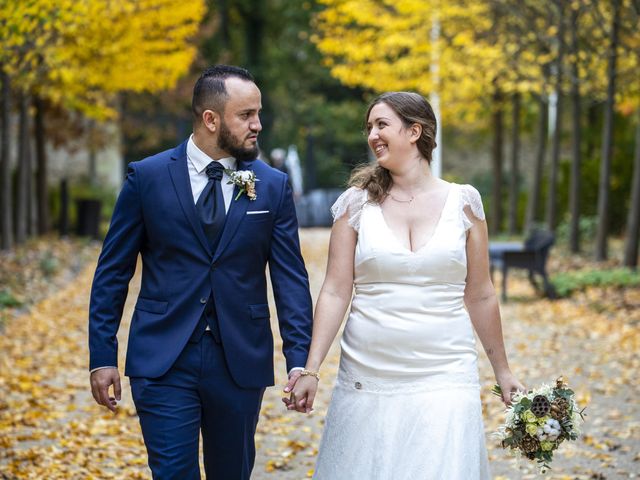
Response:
column 198, row 394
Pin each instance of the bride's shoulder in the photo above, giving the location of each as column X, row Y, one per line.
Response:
column 350, row 203
column 471, row 204
column 469, row 193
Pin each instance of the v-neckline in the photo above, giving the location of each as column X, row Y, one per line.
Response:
column 435, row 229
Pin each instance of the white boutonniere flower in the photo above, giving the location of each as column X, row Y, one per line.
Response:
column 245, row 180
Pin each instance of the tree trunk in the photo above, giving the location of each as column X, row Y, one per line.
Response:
column 310, row 169
column 92, row 160
column 22, row 187
column 536, row 182
column 576, row 140
column 42, row 193
column 592, row 121
column 515, row 167
column 225, row 37
column 497, row 160
column 255, row 20
column 607, row 139
column 63, row 220
column 31, row 189
column 255, row 16
column 552, row 202
column 6, row 203
column 633, row 217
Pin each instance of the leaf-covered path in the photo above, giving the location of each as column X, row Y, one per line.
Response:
column 50, row 428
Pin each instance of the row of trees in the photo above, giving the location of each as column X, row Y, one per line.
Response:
column 303, row 104
column 137, row 68
column 494, row 63
column 488, row 58
column 63, row 60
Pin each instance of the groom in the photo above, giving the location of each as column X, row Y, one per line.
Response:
column 200, row 350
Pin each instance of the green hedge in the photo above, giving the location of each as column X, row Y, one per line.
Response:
column 567, row 283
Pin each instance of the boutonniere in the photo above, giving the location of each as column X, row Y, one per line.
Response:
column 245, row 180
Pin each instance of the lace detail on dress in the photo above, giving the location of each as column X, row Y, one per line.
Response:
column 471, row 197
column 351, row 201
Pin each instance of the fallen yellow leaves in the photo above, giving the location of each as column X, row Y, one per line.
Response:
column 50, row 427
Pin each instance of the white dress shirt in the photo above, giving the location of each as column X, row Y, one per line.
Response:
column 197, row 162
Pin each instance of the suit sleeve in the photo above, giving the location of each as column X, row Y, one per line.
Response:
column 116, row 266
column 290, row 283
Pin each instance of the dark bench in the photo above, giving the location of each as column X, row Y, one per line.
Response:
column 531, row 256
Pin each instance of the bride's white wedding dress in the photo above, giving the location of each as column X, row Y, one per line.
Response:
column 406, row 404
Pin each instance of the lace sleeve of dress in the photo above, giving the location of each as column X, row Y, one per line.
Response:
column 471, row 198
column 350, row 202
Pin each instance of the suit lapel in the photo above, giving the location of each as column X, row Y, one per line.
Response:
column 235, row 215
column 178, row 170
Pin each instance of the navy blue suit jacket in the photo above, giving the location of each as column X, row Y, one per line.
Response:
column 155, row 216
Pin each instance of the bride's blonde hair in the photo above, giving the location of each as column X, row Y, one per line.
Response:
column 412, row 108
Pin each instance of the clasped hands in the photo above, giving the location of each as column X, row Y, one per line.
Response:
column 302, row 392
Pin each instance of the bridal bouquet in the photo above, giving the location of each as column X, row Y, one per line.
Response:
column 539, row 420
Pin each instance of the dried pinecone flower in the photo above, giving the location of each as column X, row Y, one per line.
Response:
column 556, row 413
column 560, row 408
column 530, row 444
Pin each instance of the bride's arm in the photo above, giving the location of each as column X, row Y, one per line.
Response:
column 331, row 307
column 482, row 304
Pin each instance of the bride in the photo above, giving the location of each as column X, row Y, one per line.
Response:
column 406, row 403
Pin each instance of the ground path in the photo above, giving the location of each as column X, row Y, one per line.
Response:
column 50, row 428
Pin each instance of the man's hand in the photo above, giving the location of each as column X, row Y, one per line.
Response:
column 303, row 391
column 101, row 380
column 293, row 378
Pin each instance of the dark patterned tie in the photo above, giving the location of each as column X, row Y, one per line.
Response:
column 210, row 205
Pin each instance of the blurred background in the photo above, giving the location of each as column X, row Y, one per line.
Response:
column 539, row 108
column 538, row 100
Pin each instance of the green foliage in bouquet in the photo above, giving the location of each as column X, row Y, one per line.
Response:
column 539, row 420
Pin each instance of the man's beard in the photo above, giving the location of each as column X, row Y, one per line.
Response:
column 230, row 143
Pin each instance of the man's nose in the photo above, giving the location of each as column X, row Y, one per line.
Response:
column 256, row 126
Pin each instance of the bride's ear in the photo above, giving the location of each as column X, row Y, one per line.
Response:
column 415, row 132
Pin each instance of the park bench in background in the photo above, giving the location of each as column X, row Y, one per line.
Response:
column 531, row 256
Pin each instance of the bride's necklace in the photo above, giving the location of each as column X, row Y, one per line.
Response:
column 401, row 201
column 411, row 199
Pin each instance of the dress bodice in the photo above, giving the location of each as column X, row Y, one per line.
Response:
column 380, row 257
column 407, row 314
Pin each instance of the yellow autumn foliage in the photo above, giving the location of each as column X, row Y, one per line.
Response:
column 390, row 45
column 80, row 53
column 481, row 47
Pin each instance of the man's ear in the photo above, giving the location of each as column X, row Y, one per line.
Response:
column 211, row 120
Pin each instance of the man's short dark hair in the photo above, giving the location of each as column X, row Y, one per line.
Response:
column 210, row 92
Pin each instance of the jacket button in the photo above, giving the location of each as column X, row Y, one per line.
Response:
column 358, row 385
column 203, row 300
